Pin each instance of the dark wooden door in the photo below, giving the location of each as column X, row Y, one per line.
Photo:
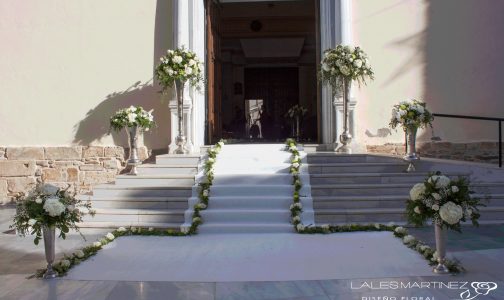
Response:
column 214, row 72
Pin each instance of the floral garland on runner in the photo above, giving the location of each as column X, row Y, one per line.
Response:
column 400, row 232
column 80, row 255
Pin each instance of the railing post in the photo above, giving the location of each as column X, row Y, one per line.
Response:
column 500, row 144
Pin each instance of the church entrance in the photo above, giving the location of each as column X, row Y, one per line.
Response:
column 261, row 61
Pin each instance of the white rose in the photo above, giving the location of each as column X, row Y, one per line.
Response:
column 441, row 181
column 38, row 200
column 188, row 71
column 79, row 253
column 436, row 196
column 296, row 219
column 401, row 230
column 97, row 244
column 300, row 227
column 32, row 222
column 357, row 63
column 409, row 239
column 196, row 219
column 435, row 207
column 295, row 165
column 54, row 207
column 417, row 191
column 451, row 213
column 344, row 70
column 201, row 205
column 454, row 189
column 417, row 210
column 177, row 59
column 132, row 117
column 121, row 229
column 326, row 67
column 192, row 62
column 110, row 236
column 205, row 193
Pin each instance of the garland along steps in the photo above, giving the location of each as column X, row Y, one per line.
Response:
column 251, row 191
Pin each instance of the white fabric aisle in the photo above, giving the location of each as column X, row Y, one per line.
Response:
column 252, row 191
column 253, row 257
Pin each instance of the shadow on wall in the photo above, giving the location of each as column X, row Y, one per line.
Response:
column 464, row 61
column 95, row 125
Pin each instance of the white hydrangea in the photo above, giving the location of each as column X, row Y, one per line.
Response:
column 417, row 191
column 38, row 201
column 65, row 263
column 441, row 181
column 401, row 230
column 110, row 236
column 133, row 229
column 121, row 229
column 221, row 144
column 177, row 59
column 97, row 244
column 54, row 207
column 298, row 205
column 451, row 213
column 454, row 189
column 79, row 253
column 377, row 225
column 296, row 219
column 436, row 196
column 300, row 227
column 409, row 239
column 424, row 248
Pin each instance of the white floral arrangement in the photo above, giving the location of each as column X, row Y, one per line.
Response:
column 49, row 206
column 411, row 113
column 179, row 64
column 297, row 111
column 445, row 201
column 345, row 63
column 132, row 116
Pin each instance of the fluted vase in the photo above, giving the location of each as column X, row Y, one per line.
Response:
column 440, row 233
column 49, row 235
column 133, row 160
column 411, row 155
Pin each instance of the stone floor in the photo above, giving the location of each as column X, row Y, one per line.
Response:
column 481, row 251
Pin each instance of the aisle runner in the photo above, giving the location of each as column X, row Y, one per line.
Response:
column 252, row 191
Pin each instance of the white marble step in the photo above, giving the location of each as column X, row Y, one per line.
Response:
column 372, row 178
column 255, row 190
column 332, row 157
column 135, row 191
column 137, row 215
column 155, row 180
column 395, row 167
column 173, row 169
column 178, row 159
column 139, row 202
column 116, row 224
column 245, row 228
column 257, row 179
column 236, row 216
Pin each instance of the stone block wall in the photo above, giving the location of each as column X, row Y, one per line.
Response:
column 77, row 167
column 487, row 152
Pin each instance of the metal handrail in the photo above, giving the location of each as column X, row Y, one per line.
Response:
column 499, row 120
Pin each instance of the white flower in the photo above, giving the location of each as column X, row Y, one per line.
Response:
column 357, row 63
column 201, row 205
column 295, row 158
column 188, row 71
column 417, row 191
column 121, row 229
column 133, row 229
column 295, row 165
column 177, row 59
column 423, row 248
column 451, row 213
column 409, row 239
column 300, row 227
column 401, row 230
column 325, row 226
column 196, row 219
column 435, row 207
column 97, row 244
column 71, row 207
column 441, row 181
column 110, row 236
column 417, row 210
column 38, row 201
column 221, row 144
column 151, row 229
column 435, row 256
column 132, row 117
column 436, row 196
column 184, row 229
column 325, row 67
column 296, row 219
column 468, row 213
column 293, row 147
column 79, row 253
column 32, row 222
column 54, row 207
column 390, row 224
column 191, row 62
column 454, row 189
column 205, row 193
column 65, row 263
column 210, row 159
column 377, row 225
column 344, row 70
column 419, row 108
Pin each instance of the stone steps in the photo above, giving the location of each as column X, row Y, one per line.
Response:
column 246, row 228
column 332, row 157
column 150, row 169
column 140, row 203
column 155, row 180
column 371, row 178
column 395, row 167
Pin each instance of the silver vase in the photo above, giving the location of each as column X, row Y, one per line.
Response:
column 345, row 137
column 411, row 156
column 180, row 140
column 49, row 234
column 440, row 233
column 133, row 160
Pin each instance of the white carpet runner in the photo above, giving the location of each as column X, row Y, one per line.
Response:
column 252, row 191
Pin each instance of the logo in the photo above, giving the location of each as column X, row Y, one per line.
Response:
column 479, row 288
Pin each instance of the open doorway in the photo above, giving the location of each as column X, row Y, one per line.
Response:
column 261, row 61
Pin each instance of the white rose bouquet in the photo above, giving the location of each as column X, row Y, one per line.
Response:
column 132, row 116
column 345, row 63
column 412, row 113
column 49, row 206
column 445, row 201
column 296, row 111
column 179, row 64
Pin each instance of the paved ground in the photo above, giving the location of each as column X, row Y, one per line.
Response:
column 481, row 251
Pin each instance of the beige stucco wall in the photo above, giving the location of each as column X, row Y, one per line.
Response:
column 448, row 53
column 66, row 66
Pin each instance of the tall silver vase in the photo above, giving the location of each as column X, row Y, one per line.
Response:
column 345, row 137
column 49, row 234
column 441, row 268
column 133, row 160
column 181, row 139
column 411, row 156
